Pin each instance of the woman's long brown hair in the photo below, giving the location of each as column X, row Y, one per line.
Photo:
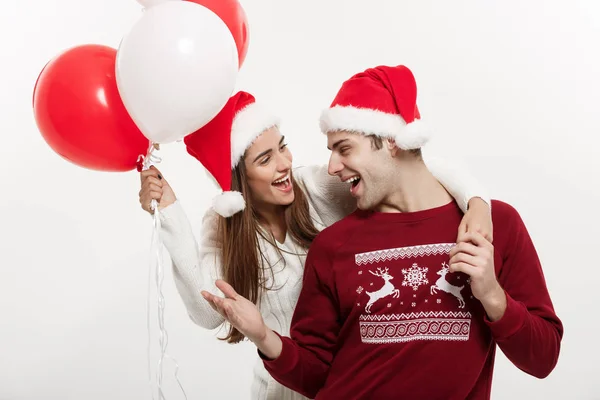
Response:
column 242, row 263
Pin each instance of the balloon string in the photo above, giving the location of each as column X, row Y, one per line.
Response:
column 149, row 160
column 148, row 329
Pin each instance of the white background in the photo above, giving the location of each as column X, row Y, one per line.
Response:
column 512, row 87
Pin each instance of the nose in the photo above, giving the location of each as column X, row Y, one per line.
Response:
column 283, row 163
column 335, row 166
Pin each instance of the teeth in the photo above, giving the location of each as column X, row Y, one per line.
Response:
column 354, row 178
column 285, row 178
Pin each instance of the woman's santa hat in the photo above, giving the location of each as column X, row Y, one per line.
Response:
column 221, row 144
column 380, row 101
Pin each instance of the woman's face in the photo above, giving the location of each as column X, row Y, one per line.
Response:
column 268, row 165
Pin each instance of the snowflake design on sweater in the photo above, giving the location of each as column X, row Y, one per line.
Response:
column 359, row 290
column 415, row 276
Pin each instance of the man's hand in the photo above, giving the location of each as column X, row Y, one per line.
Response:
column 238, row 311
column 245, row 317
column 474, row 256
column 478, row 218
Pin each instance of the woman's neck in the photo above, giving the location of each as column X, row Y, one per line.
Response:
column 272, row 218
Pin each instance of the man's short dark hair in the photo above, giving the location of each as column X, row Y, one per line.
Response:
column 377, row 144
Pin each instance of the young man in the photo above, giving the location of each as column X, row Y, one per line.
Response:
column 390, row 307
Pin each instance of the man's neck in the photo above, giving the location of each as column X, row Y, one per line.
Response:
column 415, row 189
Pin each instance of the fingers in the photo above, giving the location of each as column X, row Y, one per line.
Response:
column 148, row 194
column 462, row 229
column 469, row 228
column 478, row 239
column 152, row 180
column 485, row 230
column 475, row 238
column 152, row 171
column 462, row 237
column 485, row 233
column 219, row 304
column 227, row 289
column 465, row 258
column 465, row 247
column 151, row 188
column 463, row 267
column 147, row 206
column 210, row 299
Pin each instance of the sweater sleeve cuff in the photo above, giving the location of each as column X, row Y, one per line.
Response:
column 511, row 322
column 170, row 212
column 286, row 360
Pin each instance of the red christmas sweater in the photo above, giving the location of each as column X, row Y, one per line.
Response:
column 380, row 317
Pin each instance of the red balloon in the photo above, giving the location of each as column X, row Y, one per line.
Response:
column 234, row 16
column 79, row 112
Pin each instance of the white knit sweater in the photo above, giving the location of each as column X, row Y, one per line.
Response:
column 196, row 268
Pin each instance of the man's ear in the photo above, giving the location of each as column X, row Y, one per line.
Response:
column 392, row 146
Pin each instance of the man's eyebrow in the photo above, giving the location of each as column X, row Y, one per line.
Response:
column 337, row 144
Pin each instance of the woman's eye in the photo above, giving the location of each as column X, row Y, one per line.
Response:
column 265, row 160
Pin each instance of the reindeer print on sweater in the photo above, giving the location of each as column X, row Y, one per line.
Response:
column 408, row 294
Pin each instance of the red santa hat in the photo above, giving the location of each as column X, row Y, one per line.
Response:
column 221, row 144
column 380, row 101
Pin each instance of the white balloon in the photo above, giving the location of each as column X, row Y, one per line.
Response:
column 176, row 69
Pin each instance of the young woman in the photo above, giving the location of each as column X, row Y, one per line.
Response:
column 259, row 229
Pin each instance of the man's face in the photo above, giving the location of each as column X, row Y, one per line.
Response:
column 355, row 159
